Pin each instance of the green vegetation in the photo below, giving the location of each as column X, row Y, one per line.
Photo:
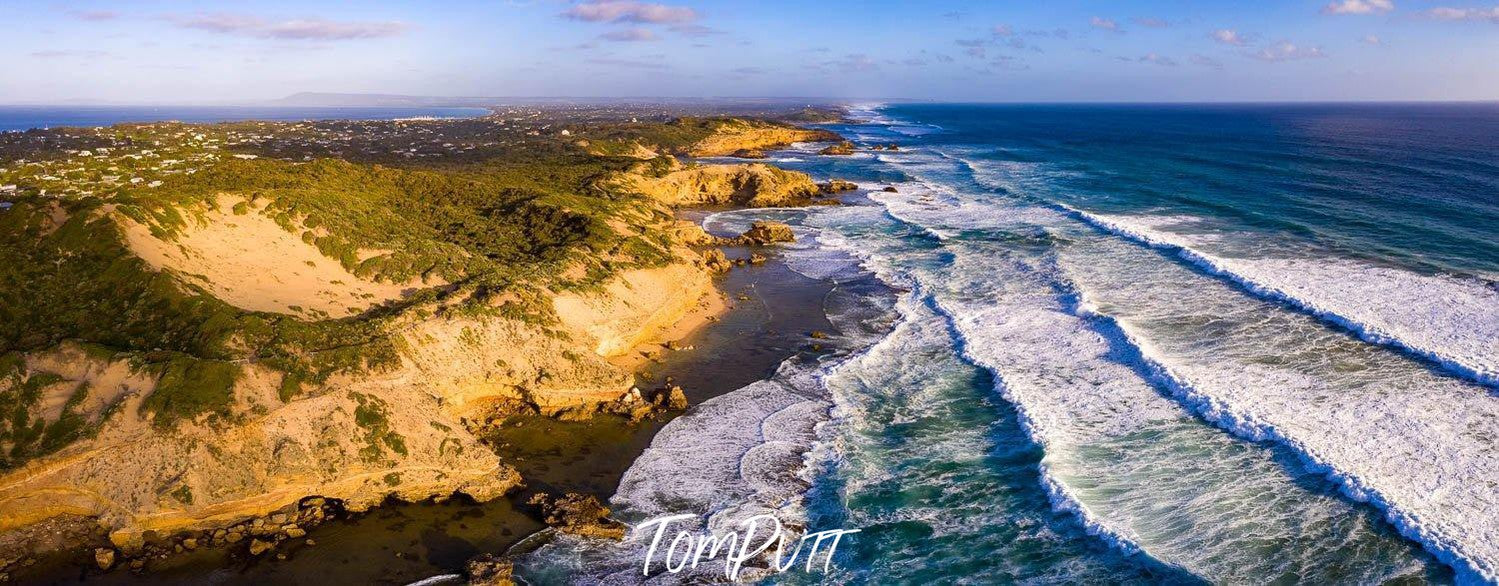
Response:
column 189, row 387
column 372, row 416
column 23, row 435
column 183, row 494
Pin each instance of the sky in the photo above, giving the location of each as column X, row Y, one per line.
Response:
column 177, row 52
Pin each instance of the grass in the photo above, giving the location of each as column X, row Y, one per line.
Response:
column 373, row 417
column 189, row 387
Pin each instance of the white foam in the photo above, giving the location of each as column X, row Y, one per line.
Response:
column 1451, row 321
column 1026, row 349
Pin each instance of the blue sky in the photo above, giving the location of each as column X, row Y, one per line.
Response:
column 1058, row 50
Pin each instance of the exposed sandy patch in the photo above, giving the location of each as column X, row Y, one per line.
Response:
column 108, row 381
column 250, row 262
column 709, row 307
column 636, row 307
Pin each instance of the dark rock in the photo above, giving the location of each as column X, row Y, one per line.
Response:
column 489, row 570
column 763, row 233
column 836, row 186
column 890, row 189
column 105, row 558
column 715, row 261
column 258, row 547
column 676, row 398
column 579, row 514
column 840, row 149
column 748, row 154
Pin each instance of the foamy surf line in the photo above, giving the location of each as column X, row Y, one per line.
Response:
column 1061, row 498
column 1468, row 360
column 1223, row 414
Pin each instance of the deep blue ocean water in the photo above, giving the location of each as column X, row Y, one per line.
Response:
column 28, row 117
column 1124, row 344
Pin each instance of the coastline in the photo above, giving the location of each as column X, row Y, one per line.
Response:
column 636, row 325
column 724, row 342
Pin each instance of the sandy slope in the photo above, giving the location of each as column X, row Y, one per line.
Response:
column 251, row 262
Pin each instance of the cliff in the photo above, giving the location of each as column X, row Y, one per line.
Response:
column 190, row 359
column 753, row 184
column 701, row 137
column 733, row 135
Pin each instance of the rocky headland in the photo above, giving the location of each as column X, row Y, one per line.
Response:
column 234, row 354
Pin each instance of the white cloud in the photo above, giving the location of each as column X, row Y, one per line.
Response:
column 69, row 53
column 1372, row 40
column 1104, row 24
column 630, row 35
column 1473, row 14
column 1229, row 37
column 1157, row 60
column 630, row 11
column 294, row 29
column 1358, row 7
column 612, row 62
column 1287, row 51
column 94, row 15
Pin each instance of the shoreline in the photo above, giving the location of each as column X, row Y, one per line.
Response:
column 749, row 322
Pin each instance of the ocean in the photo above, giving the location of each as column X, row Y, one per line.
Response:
column 16, row 118
column 1121, row 344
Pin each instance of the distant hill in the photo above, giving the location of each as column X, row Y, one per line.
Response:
column 316, row 99
column 334, row 100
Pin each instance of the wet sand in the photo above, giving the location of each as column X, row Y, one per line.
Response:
column 772, row 311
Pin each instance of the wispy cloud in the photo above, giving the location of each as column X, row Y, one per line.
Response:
column 1151, row 22
column 695, row 30
column 1372, row 40
column 1229, row 37
column 630, row 35
column 1471, row 14
column 854, row 62
column 1359, row 7
column 1104, row 24
column 1287, row 51
column 630, row 11
column 1002, row 30
column 294, row 29
column 627, row 63
column 94, row 15
column 1205, row 61
column 1156, row 59
column 68, row 53
column 749, row 71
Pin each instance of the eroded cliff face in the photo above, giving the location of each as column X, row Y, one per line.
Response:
column 400, row 430
column 752, row 184
column 744, row 135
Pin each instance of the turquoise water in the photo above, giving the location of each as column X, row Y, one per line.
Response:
column 1221, row 344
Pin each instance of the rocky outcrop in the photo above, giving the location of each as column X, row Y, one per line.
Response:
column 767, row 232
column 836, row 186
column 843, row 148
column 579, row 514
column 753, row 184
column 489, row 570
column 748, row 154
column 730, row 135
